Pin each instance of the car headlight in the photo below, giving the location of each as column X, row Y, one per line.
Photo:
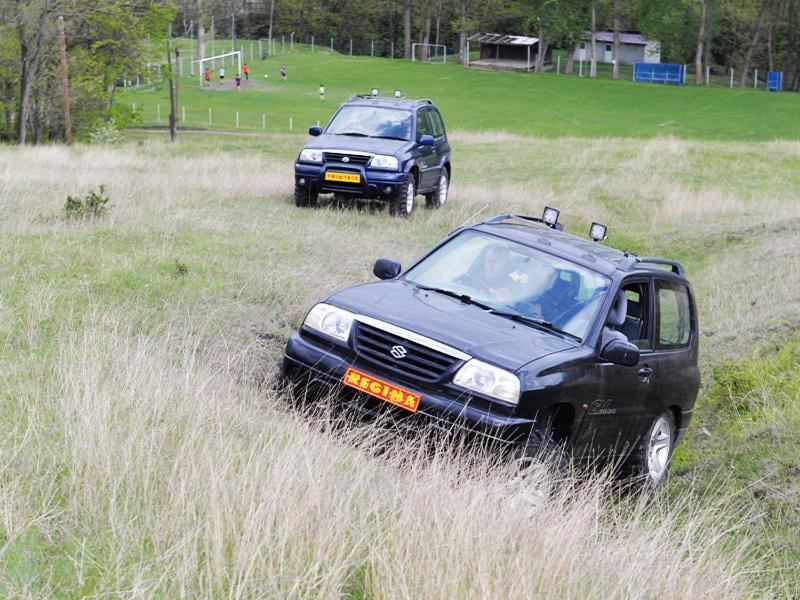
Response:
column 488, row 380
column 330, row 320
column 382, row 161
column 311, row 155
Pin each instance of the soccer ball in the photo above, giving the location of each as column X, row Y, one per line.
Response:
column 266, row 76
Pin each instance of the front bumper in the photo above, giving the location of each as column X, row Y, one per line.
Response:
column 320, row 371
column 374, row 183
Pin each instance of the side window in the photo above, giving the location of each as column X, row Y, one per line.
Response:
column 637, row 318
column 423, row 124
column 674, row 316
column 436, row 121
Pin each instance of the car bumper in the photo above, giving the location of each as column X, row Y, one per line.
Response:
column 321, row 372
column 373, row 183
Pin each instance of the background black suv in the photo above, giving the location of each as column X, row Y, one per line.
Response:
column 382, row 148
column 521, row 333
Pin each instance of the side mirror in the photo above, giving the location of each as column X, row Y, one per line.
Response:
column 315, row 131
column 620, row 352
column 426, row 140
column 386, row 268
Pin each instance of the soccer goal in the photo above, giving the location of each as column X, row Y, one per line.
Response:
column 235, row 56
column 435, row 53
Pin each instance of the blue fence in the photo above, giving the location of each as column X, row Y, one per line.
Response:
column 774, row 81
column 659, row 73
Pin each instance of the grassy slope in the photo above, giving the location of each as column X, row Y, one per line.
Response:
column 546, row 105
column 188, row 289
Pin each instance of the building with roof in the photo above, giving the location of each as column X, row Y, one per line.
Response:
column 507, row 52
column 633, row 48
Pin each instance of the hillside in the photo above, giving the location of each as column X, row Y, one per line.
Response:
column 144, row 452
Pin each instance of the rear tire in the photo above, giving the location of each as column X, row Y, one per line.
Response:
column 438, row 197
column 403, row 202
column 304, row 196
column 649, row 461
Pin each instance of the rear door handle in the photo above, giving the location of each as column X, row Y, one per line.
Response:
column 645, row 373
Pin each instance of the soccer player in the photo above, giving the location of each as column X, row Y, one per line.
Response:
column 238, row 82
column 321, row 93
column 246, row 71
column 221, row 75
column 283, row 72
column 207, row 76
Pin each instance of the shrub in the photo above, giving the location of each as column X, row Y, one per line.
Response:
column 93, row 206
column 106, row 133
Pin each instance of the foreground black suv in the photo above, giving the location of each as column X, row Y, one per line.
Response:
column 382, row 148
column 521, row 333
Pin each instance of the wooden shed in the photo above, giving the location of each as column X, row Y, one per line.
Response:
column 507, row 52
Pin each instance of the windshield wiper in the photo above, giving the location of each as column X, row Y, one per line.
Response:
column 354, row 134
column 389, row 137
column 463, row 297
column 543, row 323
column 514, row 316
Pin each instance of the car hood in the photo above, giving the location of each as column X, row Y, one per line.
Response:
column 343, row 143
column 491, row 338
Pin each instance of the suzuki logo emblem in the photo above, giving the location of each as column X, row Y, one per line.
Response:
column 398, row 352
column 346, row 159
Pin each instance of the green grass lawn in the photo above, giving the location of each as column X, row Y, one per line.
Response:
column 547, row 105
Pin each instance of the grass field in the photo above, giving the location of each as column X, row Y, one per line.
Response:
column 143, row 452
column 543, row 105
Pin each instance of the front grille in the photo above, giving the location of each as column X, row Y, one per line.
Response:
column 353, row 159
column 374, row 346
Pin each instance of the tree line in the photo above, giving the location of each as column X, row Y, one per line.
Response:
column 105, row 39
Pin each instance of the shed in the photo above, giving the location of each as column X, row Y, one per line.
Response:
column 633, row 48
column 507, row 52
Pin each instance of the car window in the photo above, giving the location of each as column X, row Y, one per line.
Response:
column 514, row 277
column 436, row 122
column 423, row 124
column 637, row 317
column 674, row 316
column 371, row 121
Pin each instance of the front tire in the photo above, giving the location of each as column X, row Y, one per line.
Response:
column 542, row 447
column 403, row 201
column 650, row 459
column 438, row 197
column 304, row 196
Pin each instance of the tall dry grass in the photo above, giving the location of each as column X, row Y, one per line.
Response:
column 156, row 475
column 142, row 456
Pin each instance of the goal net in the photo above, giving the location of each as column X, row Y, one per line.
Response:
column 435, row 53
column 221, row 60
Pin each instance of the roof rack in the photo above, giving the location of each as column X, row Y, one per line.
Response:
column 674, row 265
column 418, row 102
column 503, row 217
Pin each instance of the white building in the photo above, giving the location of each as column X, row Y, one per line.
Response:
column 633, row 48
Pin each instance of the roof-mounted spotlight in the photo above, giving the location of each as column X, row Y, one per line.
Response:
column 398, row 94
column 550, row 216
column 375, row 91
column 598, row 232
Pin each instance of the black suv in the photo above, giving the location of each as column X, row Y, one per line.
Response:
column 519, row 332
column 381, row 148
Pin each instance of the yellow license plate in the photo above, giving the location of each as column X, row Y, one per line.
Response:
column 344, row 177
column 380, row 389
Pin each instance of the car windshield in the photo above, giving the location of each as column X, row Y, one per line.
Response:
column 372, row 121
column 514, row 280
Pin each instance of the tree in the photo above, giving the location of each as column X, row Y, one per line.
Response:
column 759, row 23
column 699, row 77
column 407, row 28
column 615, row 48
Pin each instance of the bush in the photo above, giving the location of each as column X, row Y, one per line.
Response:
column 106, row 133
column 93, row 206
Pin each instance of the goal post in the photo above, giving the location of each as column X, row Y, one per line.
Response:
column 237, row 54
column 435, row 53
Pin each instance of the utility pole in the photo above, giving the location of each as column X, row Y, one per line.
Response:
column 233, row 28
column 67, row 116
column 172, row 132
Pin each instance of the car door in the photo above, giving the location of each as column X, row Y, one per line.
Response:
column 613, row 419
column 428, row 158
column 675, row 376
column 440, row 137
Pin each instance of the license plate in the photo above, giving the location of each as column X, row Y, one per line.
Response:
column 344, row 177
column 380, row 389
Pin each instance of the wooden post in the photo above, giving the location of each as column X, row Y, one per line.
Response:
column 172, row 131
column 67, row 115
